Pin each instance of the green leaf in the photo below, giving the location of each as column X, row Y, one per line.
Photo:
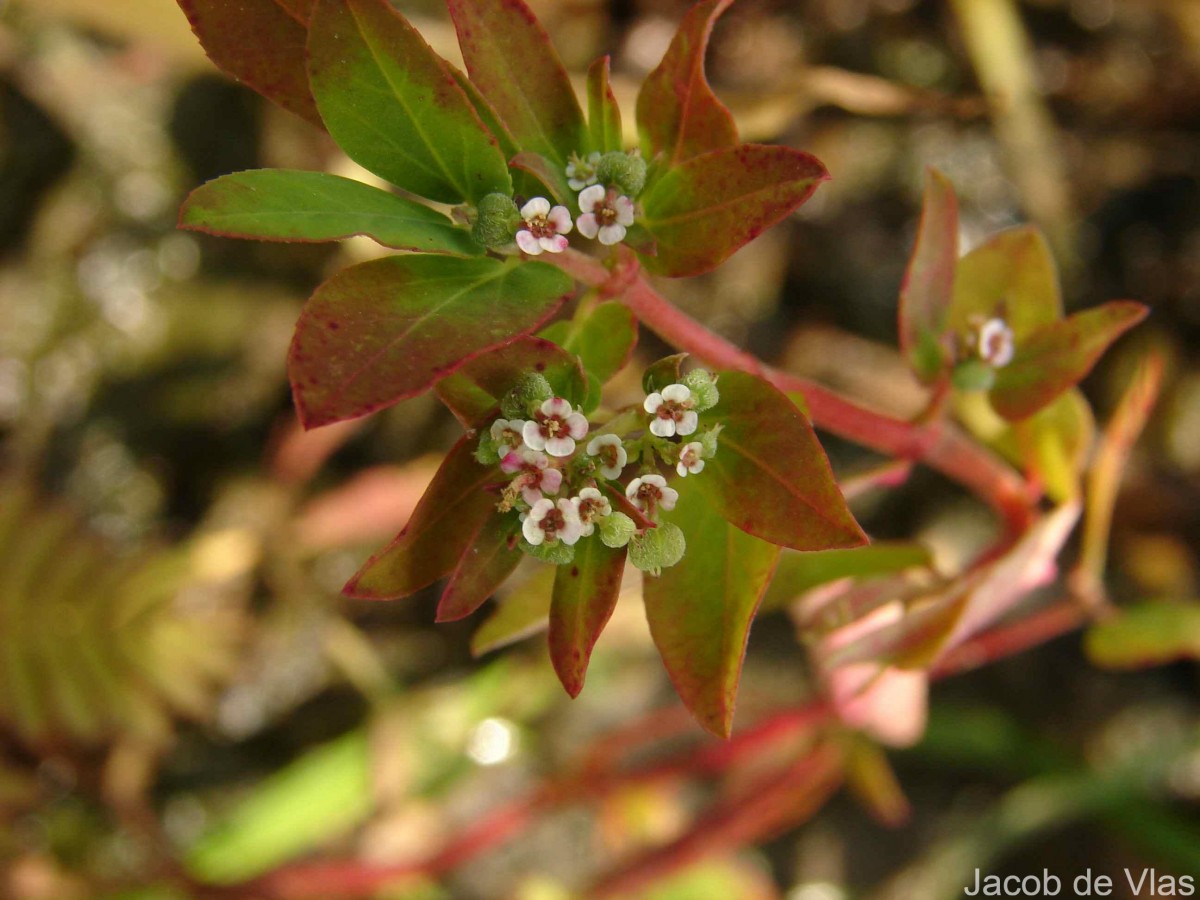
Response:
column 550, row 178
column 770, row 476
column 1011, row 275
column 1057, row 356
column 450, row 513
column 603, row 340
column 928, row 287
column 394, row 106
column 700, row 610
column 317, row 798
column 663, row 372
column 700, row 212
column 1054, row 444
column 288, row 205
column 1149, row 634
column 604, row 116
column 801, row 572
column 474, row 391
column 678, row 115
column 585, row 595
column 519, row 612
column 489, row 559
column 258, row 43
column 389, row 328
column 511, row 60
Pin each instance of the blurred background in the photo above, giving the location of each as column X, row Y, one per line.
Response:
column 185, row 700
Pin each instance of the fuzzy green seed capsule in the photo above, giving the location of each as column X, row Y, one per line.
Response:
column 528, row 394
column 657, row 548
column 625, row 171
column 704, row 389
column 557, row 553
column 616, row 530
column 496, row 221
column 708, row 442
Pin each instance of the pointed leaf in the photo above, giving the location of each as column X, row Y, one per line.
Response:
column 389, row 328
column 585, row 595
column 300, row 10
column 1148, row 634
column 394, row 106
column 258, row 43
column 550, row 177
column 770, row 476
column 700, row 609
column 1057, row 356
column 800, row 572
column 454, row 507
column 490, row 557
column 1011, row 275
column 603, row 341
column 699, row 213
column 604, row 116
column 511, row 60
column 928, row 286
column 476, row 389
column 1054, row 444
column 678, row 115
column 520, row 611
column 288, row 205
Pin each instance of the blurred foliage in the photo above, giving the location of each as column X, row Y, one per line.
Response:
column 178, row 676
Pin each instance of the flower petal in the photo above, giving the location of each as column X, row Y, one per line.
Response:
column 577, row 425
column 552, row 480
column 556, row 244
column 662, row 427
column 558, row 407
column 527, row 242
column 587, row 225
column 560, row 446
column 668, row 498
column 624, row 209
column 538, row 206
column 653, row 402
column 531, row 433
column 612, row 234
column 677, row 393
column 687, row 422
column 560, row 218
column 590, row 197
column 532, row 531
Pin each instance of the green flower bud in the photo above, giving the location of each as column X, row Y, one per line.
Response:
column 557, row 553
column 708, row 442
column 625, row 171
column 616, row 529
column 704, row 388
column 496, row 221
column 658, row 548
column 487, row 453
column 973, row 375
column 527, row 395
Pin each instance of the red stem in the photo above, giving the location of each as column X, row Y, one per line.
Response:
column 937, row 444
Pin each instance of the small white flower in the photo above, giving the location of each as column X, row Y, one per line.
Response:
column 611, row 453
column 672, row 411
column 689, row 459
column 507, row 435
column 995, row 343
column 582, row 172
column 650, row 491
column 535, row 477
column 606, row 214
column 548, row 522
column 591, row 505
column 544, row 227
column 555, row 428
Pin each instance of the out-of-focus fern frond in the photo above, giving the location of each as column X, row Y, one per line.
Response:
column 94, row 643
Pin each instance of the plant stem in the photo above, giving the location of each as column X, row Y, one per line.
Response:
column 937, row 444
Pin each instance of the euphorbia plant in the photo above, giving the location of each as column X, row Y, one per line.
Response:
column 517, row 198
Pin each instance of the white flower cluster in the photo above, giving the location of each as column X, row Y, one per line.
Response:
column 605, row 213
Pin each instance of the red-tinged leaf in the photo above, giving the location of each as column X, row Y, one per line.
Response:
column 511, row 60
column 1011, row 275
column 476, row 389
column 604, row 116
column 1148, row 634
column 770, row 476
column 489, row 559
column 603, row 340
column 801, row 572
column 1058, row 356
column 261, row 45
column 678, row 115
column 442, row 526
column 928, row 288
column 585, row 595
column 873, row 781
column 394, row 106
column 700, row 609
column 1054, row 444
column 289, row 205
column 699, row 213
column 389, row 328
column 300, row 10
column 551, row 177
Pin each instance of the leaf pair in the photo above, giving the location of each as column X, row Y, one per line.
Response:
column 1011, row 278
